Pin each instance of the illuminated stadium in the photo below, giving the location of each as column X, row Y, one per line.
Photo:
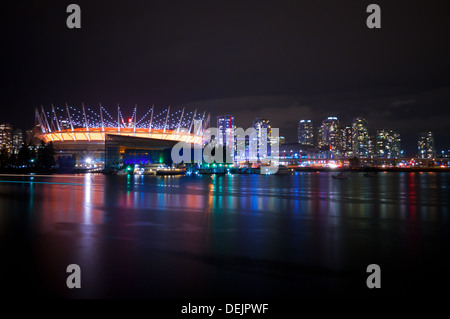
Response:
column 92, row 133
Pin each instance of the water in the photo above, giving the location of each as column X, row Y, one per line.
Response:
column 299, row 236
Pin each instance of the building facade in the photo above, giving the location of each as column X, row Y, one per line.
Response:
column 346, row 142
column 305, row 132
column 360, row 137
column 329, row 135
column 263, row 136
column 6, row 137
column 17, row 140
column 425, row 145
column 225, row 128
column 387, row 144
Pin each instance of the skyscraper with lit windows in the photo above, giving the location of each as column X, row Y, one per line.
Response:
column 17, row 140
column 305, row 132
column 346, row 142
column 263, row 135
column 329, row 135
column 360, row 137
column 425, row 145
column 387, row 144
column 6, row 137
column 225, row 127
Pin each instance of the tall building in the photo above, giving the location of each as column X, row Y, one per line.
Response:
column 225, row 127
column 17, row 140
column 6, row 137
column 305, row 132
column 425, row 145
column 372, row 146
column 329, row 135
column 360, row 137
column 387, row 144
column 346, row 142
column 261, row 124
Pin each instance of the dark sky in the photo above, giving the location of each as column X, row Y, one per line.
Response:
column 282, row 60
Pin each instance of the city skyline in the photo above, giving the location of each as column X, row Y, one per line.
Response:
column 359, row 126
column 272, row 66
column 225, row 157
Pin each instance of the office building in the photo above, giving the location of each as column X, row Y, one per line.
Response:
column 305, row 132
column 387, row 144
column 425, row 145
column 360, row 137
column 6, row 137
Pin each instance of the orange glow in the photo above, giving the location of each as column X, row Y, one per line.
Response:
column 98, row 134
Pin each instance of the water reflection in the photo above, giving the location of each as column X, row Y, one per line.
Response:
column 159, row 229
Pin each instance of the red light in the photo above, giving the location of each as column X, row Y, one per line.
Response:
column 129, row 120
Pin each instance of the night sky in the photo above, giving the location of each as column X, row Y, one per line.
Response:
column 281, row 60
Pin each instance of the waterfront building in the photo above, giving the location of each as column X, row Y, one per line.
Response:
column 305, row 132
column 263, row 136
column 360, row 137
column 387, row 144
column 346, row 142
column 6, row 137
column 99, row 138
column 425, row 145
column 329, row 135
column 17, row 140
column 225, row 127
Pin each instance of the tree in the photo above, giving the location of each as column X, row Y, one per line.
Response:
column 46, row 156
column 13, row 160
column 24, row 156
column 4, row 158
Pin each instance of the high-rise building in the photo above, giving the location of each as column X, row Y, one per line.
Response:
column 371, row 146
column 360, row 137
column 6, row 137
column 225, row 127
column 282, row 140
column 262, row 128
column 17, row 140
column 425, row 145
column 329, row 135
column 305, row 132
column 346, row 142
column 387, row 144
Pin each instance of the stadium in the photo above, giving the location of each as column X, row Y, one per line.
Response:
column 94, row 138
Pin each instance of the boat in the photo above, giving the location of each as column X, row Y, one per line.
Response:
column 340, row 176
column 275, row 170
column 150, row 169
column 170, row 171
column 205, row 171
column 123, row 171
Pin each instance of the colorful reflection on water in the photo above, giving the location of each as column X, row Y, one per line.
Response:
column 250, row 236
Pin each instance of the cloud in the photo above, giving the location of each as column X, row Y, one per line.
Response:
column 398, row 103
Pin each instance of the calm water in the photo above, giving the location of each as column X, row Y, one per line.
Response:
column 299, row 236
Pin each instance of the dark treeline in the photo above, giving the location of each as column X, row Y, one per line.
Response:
column 29, row 159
